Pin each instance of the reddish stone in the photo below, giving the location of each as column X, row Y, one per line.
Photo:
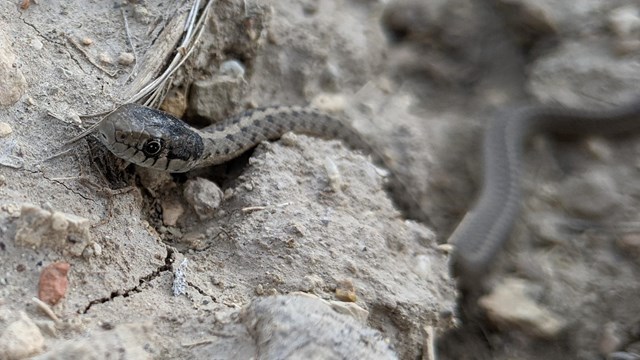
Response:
column 53, row 282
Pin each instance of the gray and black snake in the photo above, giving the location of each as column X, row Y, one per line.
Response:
column 154, row 139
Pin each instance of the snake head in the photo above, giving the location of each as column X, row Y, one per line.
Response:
column 150, row 138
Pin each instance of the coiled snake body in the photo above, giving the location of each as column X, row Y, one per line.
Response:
column 152, row 138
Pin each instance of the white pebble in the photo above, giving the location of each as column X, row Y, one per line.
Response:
column 126, row 58
column 105, row 58
column 232, row 68
column 335, row 179
column 5, row 129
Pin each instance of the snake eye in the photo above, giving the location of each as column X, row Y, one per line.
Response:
column 152, row 147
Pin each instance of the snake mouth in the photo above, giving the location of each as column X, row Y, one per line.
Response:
column 106, row 134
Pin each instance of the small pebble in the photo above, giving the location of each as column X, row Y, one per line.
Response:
column 171, row 212
column 180, row 278
column 594, row 194
column 350, row 309
column 126, row 58
column 509, row 307
column 97, row 249
column 630, row 244
column 346, row 291
column 12, row 82
column 141, row 13
column 232, row 68
column 216, row 98
column 5, row 129
column 59, row 222
column 624, row 22
column 311, row 283
column 297, row 229
column 92, row 250
column 73, row 117
column 21, row 339
column 329, row 102
column 204, row 196
column 194, row 240
column 335, row 179
column 105, row 58
column 53, row 283
column 86, row 41
column 445, row 248
column 228, row 193
column 36, row 44
column 289, row 139
column 175, row 103
column 40, row 227
column 272, row 292
column 422, row 265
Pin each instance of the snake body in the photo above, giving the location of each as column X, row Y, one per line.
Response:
column 485, row 228
column 154, row 139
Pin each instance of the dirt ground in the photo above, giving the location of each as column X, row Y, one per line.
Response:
column 296, row 249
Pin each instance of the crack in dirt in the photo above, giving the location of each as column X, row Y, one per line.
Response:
column 202, row 292
column 168, row 260
column 40, row 33
column 68, row 188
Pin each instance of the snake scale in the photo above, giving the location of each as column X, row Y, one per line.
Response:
column 154, row 139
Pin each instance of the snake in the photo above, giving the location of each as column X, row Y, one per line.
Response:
column 152, row 138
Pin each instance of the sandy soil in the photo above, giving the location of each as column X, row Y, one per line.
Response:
column 296, row 249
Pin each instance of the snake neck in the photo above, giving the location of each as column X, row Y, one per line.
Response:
column 232, row 137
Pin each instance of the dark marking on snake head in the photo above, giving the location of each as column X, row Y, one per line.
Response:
column 245, row 130
column 230, row 137
column 121, row 136
column 163, row 134
column 270, row 119
column 180, row 141
column 226, row 150
column 257, row 123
